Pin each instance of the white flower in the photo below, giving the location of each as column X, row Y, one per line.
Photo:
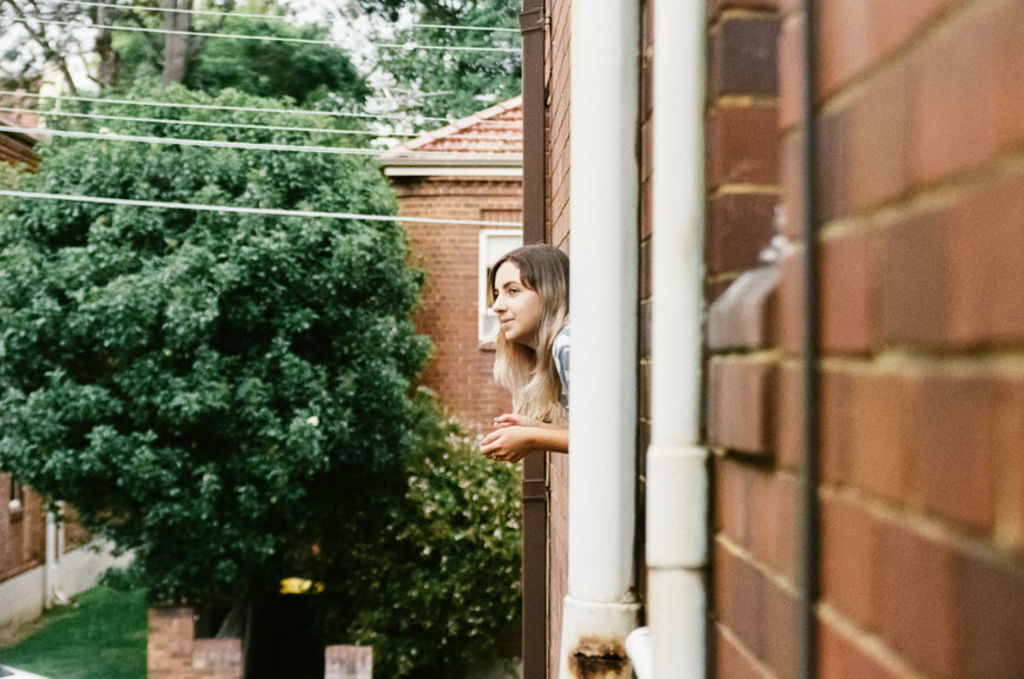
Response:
column 313, row 421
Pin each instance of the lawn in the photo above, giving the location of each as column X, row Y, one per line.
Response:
column 102, row 637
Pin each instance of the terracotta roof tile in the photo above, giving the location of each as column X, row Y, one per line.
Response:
column 497, row 130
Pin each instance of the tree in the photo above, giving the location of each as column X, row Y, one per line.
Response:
column 191, row 381
column 231, row 397
column 455, row 83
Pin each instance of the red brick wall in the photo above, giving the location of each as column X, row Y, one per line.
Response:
column 922, row 392
column 460, row 369
column 754, row 559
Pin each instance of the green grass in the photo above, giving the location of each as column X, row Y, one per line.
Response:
column 103, row 637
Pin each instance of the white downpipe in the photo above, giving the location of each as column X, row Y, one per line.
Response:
column 49, row 596
column 677, row 479
column 600, row 608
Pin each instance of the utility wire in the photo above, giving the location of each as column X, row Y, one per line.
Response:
column 242, row 126
column 199, row 123
column 268, row 17
column 269, row 38
column 199, row 207
column 173, row 141
column 240, row 109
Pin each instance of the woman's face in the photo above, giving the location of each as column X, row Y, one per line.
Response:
column 518, row 307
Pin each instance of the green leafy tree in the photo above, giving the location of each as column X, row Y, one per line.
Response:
column 454, row 83
column 305, row 72
column 190, row 381
column 229, row 396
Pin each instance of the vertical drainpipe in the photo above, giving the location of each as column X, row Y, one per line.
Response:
column 677, row 476
column 535, row 496
column 600, row 608
column 809, row 529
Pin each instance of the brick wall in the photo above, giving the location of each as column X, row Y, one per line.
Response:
column 922, row 389
column 460, row 370
column 754, row 593
column 173, row 652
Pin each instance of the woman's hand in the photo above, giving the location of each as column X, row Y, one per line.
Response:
column 509, row 442
column 514, row 419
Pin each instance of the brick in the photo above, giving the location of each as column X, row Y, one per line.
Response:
column 744, row 57
column 839, row 657
column 788, row 417
column 847, row 322
column 854, row 34
column 849, row 548
column 956, row 417
column 773, row 521
column 732, row 663
column 789, row 332
column 217, row 659
column 1011, row 465
column 743, row 145
column 739, row 598
column 732, row 500
column 835, row 389
column 791, row 50
column 880, row 434
column 955, row 102
column 863, row 147
column 781, row 617
column 738, row 411
column 913, row 280
column 917, row 607
column 990, row 594
column 348, row 662
column 789, row 221
column 986, row 270
column 741, row 226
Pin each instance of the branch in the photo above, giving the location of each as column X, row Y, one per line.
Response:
column 48, row 49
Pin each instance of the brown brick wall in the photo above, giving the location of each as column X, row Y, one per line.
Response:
column 922, row 388
column 173, row 652
column 754, row 559
column 459, row 370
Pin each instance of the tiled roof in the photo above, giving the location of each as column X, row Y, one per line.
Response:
column 495, row 132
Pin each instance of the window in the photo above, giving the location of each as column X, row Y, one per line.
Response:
column 493, row 244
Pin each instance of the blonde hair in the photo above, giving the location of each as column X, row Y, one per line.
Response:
column 531, row 375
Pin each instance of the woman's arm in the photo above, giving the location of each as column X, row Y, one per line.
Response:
column 516, row 436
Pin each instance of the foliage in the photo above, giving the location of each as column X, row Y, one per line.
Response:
column 102, row 636
column 305, row 72
column 202, row 385
column 454, row 83
column 437, row 588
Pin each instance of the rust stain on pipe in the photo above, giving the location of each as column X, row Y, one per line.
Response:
column 599, row 658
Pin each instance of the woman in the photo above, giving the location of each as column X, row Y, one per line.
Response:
column 531, row 299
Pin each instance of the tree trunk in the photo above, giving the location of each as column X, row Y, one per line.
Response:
column 176, row 46
column 105, row 51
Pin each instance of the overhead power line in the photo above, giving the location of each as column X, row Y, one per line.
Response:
column 223, row 107
column 199, row 123
column 212, row 143
column 409, row 118
column 269, row 38
column 268, row 17
column 200, row 207
column 238, row 126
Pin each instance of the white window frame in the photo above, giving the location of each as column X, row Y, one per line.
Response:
column 484, row 261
